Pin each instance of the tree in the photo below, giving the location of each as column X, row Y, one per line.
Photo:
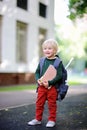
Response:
column 77, row 8
column 72, row 41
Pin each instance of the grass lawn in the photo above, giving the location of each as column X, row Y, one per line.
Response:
column 76, row 80
column 18, row 87
column 72, row 81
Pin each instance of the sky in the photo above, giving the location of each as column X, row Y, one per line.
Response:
column 60, row 11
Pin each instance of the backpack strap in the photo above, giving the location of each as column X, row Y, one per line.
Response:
column 64, row 71
column 41, row 63
column 57, row 62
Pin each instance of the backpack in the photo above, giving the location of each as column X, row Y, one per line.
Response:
column 61, row 86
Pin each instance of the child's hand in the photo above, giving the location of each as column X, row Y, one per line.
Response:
column 40, row 82
column 45, row 83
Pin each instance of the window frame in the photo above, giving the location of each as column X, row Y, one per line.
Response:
column 21, row 51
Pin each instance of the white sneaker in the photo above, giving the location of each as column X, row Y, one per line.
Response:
column 34, row 122
column 50, row 124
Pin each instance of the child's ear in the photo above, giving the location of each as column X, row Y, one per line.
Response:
column 54, row 52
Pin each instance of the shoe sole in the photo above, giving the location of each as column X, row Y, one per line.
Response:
column 35, row 124
column 50, row 126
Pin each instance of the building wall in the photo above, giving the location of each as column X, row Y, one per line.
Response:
column 10, row 14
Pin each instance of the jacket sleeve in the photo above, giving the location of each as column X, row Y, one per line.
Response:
column 37, row 73
column 58, row 76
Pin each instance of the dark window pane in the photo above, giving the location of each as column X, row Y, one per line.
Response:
column 42, row 10
column 22, row 4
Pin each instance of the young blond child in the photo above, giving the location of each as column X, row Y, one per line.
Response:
column 50, row 49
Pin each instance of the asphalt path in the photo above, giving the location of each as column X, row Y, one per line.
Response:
column 17, row 108
column 17, row 98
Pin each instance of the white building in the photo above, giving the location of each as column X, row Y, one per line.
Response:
column 24, row 25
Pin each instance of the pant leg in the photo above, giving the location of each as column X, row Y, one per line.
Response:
column 41, row 98
column 52, row 105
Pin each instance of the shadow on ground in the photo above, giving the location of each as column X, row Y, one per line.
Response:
column 71, row 115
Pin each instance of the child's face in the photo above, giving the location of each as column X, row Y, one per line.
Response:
column 49, row 51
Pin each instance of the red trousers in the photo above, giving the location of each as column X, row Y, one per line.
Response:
column 50, row 95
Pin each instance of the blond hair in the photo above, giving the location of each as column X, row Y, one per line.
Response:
column 51, row 42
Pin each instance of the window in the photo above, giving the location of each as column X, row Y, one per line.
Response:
column 0, row 36
column 42, row 10
column 42, row 37
column 21, row 42
column 22, row 4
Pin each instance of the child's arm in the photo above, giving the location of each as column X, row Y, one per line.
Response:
column 37, row 76
column 37, row 73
